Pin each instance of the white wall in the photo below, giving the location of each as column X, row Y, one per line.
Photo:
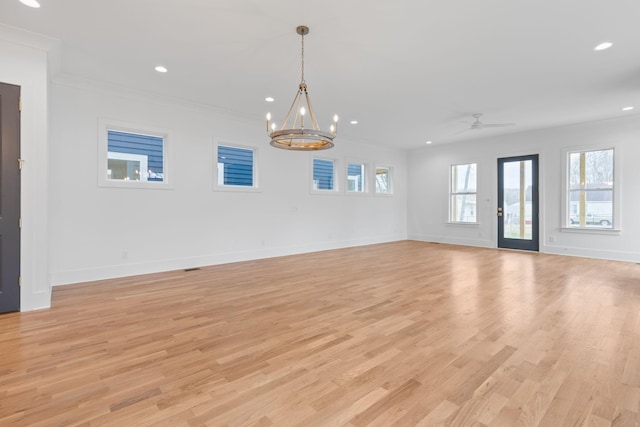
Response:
column 93, row 229
column 429, row 176
column 24, row 63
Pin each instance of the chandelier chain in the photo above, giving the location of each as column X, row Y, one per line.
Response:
column 302, row 81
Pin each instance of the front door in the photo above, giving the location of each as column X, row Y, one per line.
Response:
column 9, row 198
column 518, row 203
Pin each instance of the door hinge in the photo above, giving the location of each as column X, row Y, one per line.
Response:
column 20, row 163
column 19, row 222
column 20, row 104
column 20, row 281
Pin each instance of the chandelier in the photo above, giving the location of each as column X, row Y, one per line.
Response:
column 293, row 134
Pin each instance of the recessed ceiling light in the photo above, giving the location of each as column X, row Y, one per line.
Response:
column 269, row 99
column 629, row 108
column 354, row 122
column 603, row 46
column 161, row 69
column 429, row 142
column 30, row 3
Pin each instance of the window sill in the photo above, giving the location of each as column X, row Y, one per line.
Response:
column 147, row 185
column 586, row 230
column 357, row 193
column 236, row 189
column 325, row 192
column 464, row 224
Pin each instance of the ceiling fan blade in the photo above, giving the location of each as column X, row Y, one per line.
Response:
column 497, row 125
column 461, row 131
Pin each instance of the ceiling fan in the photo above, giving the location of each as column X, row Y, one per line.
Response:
column 479, row 124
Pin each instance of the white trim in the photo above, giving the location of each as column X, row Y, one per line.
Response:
column 67, row 277
column 105, row 125
column 215, row 175
column 25, row 64
column 592, row 230
column 454, row 240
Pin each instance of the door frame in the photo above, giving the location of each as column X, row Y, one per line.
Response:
column 520, row 244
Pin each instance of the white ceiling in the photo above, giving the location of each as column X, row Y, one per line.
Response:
column 408, row 70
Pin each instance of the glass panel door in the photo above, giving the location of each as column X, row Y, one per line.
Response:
column 518, row 202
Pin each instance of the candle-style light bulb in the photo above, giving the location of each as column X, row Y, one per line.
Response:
column 335, row 118
column 335, row 124
column 333, row 129
column 303, row 111
column 273, row 127
column 268, row 119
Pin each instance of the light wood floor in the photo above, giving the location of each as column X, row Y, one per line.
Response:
column 399, row 334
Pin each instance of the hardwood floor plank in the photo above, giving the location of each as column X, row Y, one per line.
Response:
column 404, row 334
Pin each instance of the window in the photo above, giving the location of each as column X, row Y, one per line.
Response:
column 462, row 199
column 383, row 180
column 591, row 189
column 356, row 173
column 236, row 167
column 132, row 158
column 323, row 175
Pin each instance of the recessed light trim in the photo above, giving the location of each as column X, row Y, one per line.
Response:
column 269, row 99
column 30, row 3
column 603, row 46
column 161, row 69
column 354, row 122
column 629, row 108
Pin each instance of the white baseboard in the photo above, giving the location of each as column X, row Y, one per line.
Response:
column 36, row 301
column 481, row 243
column 69, row 277
column 627, row 256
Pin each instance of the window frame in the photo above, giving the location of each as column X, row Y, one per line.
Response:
column 106, row 125
column 616, row 226
column 336, row 175
column 215, row 169
column 365, row 177
column 453, row 193
column 390, row 172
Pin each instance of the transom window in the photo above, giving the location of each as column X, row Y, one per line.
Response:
column 463, row 194
column 383, row 180
column 356, row 173
column 134, row 157
column 591, row 189
column 236, row 166
column 323, row 174
column 130, row 157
